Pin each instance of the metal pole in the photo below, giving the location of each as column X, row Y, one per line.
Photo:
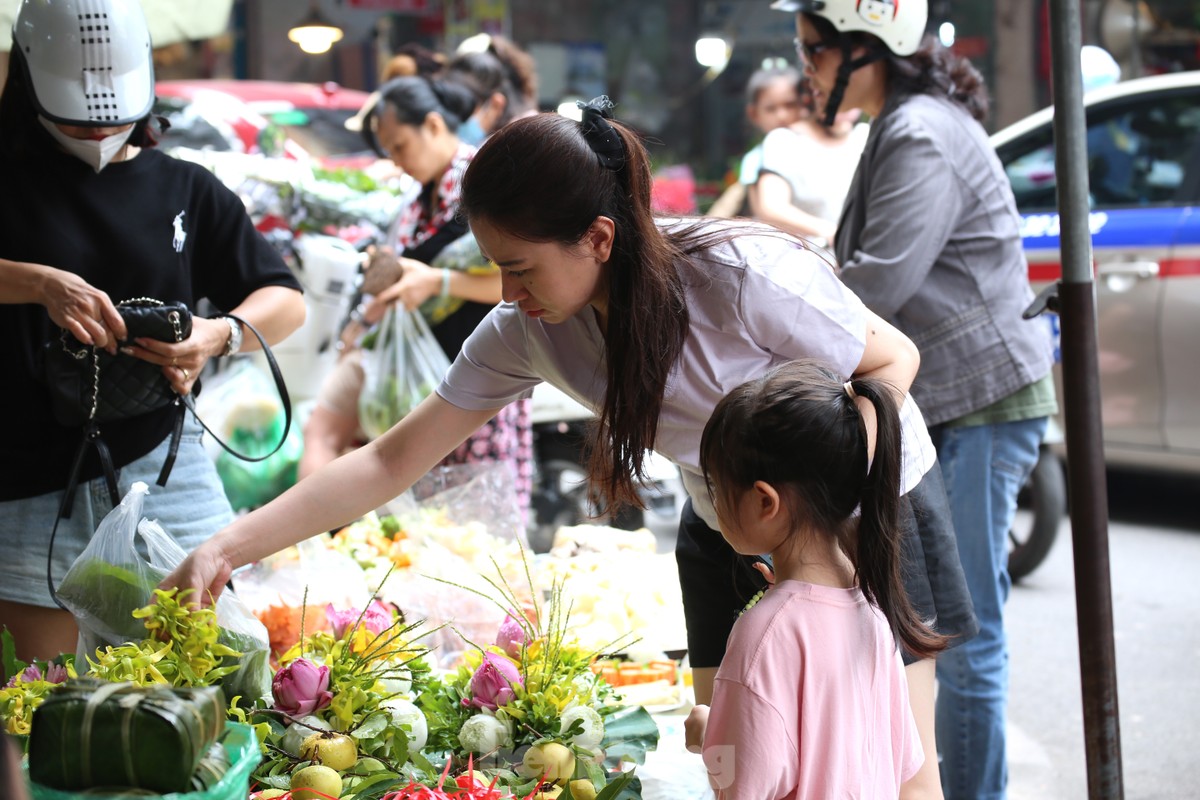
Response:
column 1081, row 381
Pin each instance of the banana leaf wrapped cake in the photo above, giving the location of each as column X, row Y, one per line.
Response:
column 91, row 734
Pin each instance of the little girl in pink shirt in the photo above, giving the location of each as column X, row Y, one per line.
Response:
column 811, row 700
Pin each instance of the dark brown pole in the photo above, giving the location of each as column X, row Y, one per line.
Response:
column 1081, row 390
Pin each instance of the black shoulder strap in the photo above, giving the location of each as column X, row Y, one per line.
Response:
column 279, row 385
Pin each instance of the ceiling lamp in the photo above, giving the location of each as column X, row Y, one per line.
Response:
column 315, row 34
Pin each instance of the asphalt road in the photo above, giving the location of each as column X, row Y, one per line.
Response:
column 1154, row 545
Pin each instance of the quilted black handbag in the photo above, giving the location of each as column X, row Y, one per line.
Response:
column 89, row 384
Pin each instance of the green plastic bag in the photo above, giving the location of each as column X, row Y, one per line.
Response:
column 250, row 484
column 245, row 411
column 240, row 745
column 110, row 580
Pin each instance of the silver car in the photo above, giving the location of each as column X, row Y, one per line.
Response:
column 1144, row 191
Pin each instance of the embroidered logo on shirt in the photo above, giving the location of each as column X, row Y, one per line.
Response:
column 180, row 233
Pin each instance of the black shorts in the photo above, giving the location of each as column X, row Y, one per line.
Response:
column 717, row 582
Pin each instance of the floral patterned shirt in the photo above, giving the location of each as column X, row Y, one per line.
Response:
column 421, row 218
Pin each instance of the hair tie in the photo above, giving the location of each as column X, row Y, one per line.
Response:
column 850, row 390
column 599, row 134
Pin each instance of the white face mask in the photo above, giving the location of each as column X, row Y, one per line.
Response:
column 95, row 153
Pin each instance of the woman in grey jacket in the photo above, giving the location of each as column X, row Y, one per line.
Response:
column 929, row 239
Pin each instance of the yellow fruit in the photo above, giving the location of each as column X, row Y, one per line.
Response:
column 269, row 794
column 334, row 750
column 552, row 762
column 583, row 789
column 316, row 783
column 548, row 794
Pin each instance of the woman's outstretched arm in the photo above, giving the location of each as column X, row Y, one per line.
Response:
column 335, row 495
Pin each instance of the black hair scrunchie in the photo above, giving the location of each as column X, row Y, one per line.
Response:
column 600, row 135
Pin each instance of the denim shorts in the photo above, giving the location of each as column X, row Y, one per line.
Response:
column 191, row 507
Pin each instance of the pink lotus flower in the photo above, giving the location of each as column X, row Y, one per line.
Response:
column 301, row 688
column 377, row 619
column 511, row 636
column 493, row 683
column 55, row 673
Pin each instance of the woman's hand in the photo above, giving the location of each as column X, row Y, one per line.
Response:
column 694, row 727
column 81, row 309
column 204, row 572
column 183, row 361
column 418, row 283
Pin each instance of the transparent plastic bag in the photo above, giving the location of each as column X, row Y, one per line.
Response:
column 405, row 366
column 110, row 580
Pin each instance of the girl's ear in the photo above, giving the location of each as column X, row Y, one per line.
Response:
column 599, row 238
column 770, row 504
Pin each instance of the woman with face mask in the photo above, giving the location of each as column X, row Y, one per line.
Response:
column 431, row 262
column 503, row 79
column 94, row 216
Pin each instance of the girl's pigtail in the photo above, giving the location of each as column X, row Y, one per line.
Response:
column 878, row 551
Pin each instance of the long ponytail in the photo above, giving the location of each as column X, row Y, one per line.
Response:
column 878, row 550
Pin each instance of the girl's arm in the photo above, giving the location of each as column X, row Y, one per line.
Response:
column 335, row 495
column 772, row 203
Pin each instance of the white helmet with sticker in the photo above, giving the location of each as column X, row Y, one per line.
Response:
column 899, row 24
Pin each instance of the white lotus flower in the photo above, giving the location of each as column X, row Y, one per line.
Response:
column 484, row 734
column 593, row 727
column 404, row 712
column 398, row 680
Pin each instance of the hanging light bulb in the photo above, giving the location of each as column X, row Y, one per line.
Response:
column 315, row 34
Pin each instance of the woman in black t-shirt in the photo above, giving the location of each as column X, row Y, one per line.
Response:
column 91, row 217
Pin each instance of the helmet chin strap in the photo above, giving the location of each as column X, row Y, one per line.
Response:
column 848, row 66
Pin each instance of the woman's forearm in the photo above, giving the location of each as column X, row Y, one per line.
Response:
column 276, row 311
column 21, row 282
column 483, row 288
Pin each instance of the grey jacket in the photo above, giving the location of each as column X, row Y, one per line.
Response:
column 929, row 239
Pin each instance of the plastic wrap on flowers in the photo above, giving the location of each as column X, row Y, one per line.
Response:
column 459, row 523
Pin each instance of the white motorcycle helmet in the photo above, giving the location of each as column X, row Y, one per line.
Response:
column 899, row 24
column 89, row 62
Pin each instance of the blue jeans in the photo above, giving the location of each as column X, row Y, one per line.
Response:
column 984, row 467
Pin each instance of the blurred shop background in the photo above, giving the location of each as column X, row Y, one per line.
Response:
column 645, row 54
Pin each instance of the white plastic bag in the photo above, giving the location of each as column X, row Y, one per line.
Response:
column 110, row 580
column 405, row 366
